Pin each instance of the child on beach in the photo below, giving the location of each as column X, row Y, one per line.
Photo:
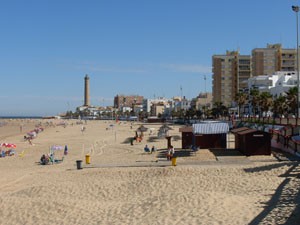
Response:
column 171, row 152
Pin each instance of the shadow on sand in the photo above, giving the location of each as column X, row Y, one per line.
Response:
column 286, row 198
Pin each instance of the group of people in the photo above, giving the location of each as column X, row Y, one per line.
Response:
column 9, row 152
column 147, row 149
column 170, row 154
column 49, row 159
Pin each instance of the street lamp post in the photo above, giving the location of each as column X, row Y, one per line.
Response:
column 296, row 10
column 205, row 102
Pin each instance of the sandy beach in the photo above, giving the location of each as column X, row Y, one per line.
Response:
column 125, row 185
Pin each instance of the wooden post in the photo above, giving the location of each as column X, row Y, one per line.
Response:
column 169, row 141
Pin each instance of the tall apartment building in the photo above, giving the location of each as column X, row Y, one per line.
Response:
column 266, row 61
column 243, row 72
column 230, row 72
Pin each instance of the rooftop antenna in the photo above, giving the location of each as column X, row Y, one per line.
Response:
column 205, row 84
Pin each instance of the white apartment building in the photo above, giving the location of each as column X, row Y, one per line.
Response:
column 184, row 105
column 147, row 103
column 165, row 106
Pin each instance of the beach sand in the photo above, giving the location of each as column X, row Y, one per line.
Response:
column 124, row 185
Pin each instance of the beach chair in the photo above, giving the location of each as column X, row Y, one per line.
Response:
column 59, row 160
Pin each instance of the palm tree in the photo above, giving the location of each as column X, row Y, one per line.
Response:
column 292, row 99
column 265, row 101
column 190, row 113
column 204, row 111
column 279, row 105
column 219, row 110
column 199, row 113
column 254, row 93
column 142, row 115
column 241, row 99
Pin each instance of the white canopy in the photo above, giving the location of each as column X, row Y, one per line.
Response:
column 210, row 128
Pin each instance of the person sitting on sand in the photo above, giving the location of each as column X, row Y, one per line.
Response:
column 146, row 149
column 44, row 159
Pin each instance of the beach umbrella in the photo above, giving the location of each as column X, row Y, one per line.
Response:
column 165, row 127
column 142, row 128
column 8, row 145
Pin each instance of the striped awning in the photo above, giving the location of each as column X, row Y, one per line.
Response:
column 210, row 128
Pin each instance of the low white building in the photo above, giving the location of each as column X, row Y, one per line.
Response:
column 284, row 82
column 276, row 84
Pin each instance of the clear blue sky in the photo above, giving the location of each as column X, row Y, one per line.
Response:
column 149, row 48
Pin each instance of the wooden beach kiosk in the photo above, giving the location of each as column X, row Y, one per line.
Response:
column 209, row 134
column 251, row 141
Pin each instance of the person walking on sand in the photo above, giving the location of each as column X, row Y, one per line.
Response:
column 29, row 140
column 82, row 129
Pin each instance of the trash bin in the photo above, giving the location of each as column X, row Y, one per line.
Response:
column 87, row 159
column 79, row 164
column 174, row 159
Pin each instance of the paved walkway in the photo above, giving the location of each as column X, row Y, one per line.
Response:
column 204, row 157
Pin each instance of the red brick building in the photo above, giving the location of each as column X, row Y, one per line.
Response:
column 127, row 100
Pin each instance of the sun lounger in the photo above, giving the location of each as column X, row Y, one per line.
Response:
column 59, row 160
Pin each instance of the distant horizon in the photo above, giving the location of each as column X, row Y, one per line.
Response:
column 21, row 117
